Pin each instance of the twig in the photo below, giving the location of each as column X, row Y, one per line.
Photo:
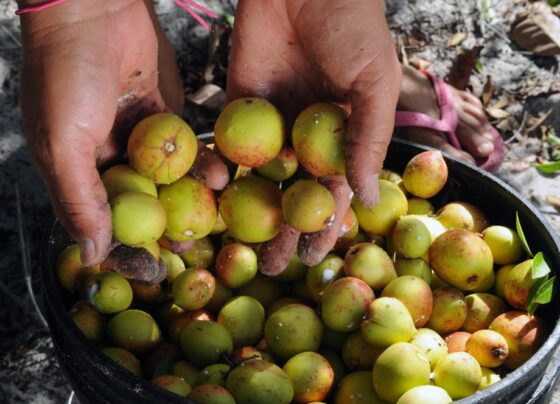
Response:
column 26, row 259
column 517, row 133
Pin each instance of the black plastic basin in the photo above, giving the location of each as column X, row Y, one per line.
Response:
column 96, row 379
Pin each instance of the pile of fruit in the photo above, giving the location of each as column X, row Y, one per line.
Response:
column 412, row 304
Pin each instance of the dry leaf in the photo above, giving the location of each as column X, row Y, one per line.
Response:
column 419, row 64
column 487, row 91
column 462, row 68
column 503, row 102
column 497, row 113
column 208, row 96
column 457, row 39
column 242, row 171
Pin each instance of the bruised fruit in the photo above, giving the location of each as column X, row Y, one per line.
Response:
column 345, row 302
column 524, row 335
column 243, row 317
column 489, row 377
column 252, row 209
column 108, row 292
column 250, row 132
column 482, row 309
column 311, row 376
column 425, row 174
column 461, row 259
column 371, row 264
column 457, row 341
column 318, row 139
column 172, row 383
column 431, row 344
column 504, row 243
column 236, row 265
column 124, row 358
column 307, row 206
column 413, row 235
column 211, row 394
column 459, row 374
column 449, row 310
column 414, row 267
column 200, row 254
column 134, row 330
column 381, row 219
column 321, row 275
column 260, row 382
column 358, row 354
column 90, row 322
column 205, row 342
column 518, row 284
column 128, row 228
column 415, row 294
column 462, row 215
column 213, row 374
column 123, row 178
column 488, row 347
column 293, row 329
column 282, row 167
column 70, row 271
column 357, row 388
column 398, row 369
column 425, row 395
column 162, row 147
column 190, row 207
column 388, row 321
column 193, row 288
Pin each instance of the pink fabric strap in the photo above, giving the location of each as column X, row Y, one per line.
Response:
column 189, row 5
column 41, row 7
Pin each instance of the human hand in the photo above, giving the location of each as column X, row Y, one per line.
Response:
column 297, row 52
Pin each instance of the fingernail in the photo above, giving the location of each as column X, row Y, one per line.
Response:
column 87, row 251
column 485, row 148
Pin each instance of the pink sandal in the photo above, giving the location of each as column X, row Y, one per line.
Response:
column 448, row 124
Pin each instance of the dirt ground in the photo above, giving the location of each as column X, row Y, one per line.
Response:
column 525, row 103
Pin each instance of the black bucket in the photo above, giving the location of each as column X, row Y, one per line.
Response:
column 97, row 379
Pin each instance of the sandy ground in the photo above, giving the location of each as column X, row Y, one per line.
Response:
column 423, row 28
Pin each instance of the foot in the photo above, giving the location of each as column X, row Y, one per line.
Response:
column 473, row 129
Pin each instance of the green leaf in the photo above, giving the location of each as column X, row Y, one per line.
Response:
column 479, row 66
column 535, row 288
column 554, row 3
column 540, row 268
column 545, row 292
column 521, row 235
column 549, row 168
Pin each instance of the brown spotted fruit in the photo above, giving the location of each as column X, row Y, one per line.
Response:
column 307, row 206
column 388, row 321
column 236, row 265
column 431, row 344
column 449, row 310
column 205, row 342
column 193, row 288
column 311, row 376
column 425, row 174
column 459, row 374
column 462, row 215
column 415, row 294
column 488, row 347
column 518, row 284
column 370, row 263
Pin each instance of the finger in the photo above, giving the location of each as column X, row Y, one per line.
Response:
column 313, row 247
column 209, row 168
column 274, row 255
column 370, row 126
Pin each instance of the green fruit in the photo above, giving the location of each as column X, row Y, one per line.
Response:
column 172, row 383
column 307, row 206
column 415, row 294
column 382, row 218
column 205, row 342
column 518, row 284
column 482, row 309
column 184, row 319
column 425, row 395
column 357, row 354
column 425, row 174
column 431, row 344
column 398, row 369
column 419, row 206
column 186, row 371
column 415, row 267
column 318, row 139
column 243, row 318
column 488, row 347
column 266, row 290
column 212, row 374
column 123, row 178
column 190, row 207
column 260, row 382
column 173, row 263
column 134, row 330
column 459, row 374
column 249, row 132
column 293, row 329
column 162, row 147
column 200, row 254
column 371, row 264
column 90, row 322
column 124, row 358
column 210, row 394
column 449, row 310
column 388, row 322
column 70, row 271
column 321, row 275
column 252, row 209
column 462, row 259
column 311, row 376
column 284, row 301
column 193, row 288
column 489, row 377
column 462, row 215
column 344, row 304
column 413, row 235
column 357, row 388
column 282, row 167
column 138, row 218
column 236, row 265
column 500, row 282
column 108, row 292
column 504, row 243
